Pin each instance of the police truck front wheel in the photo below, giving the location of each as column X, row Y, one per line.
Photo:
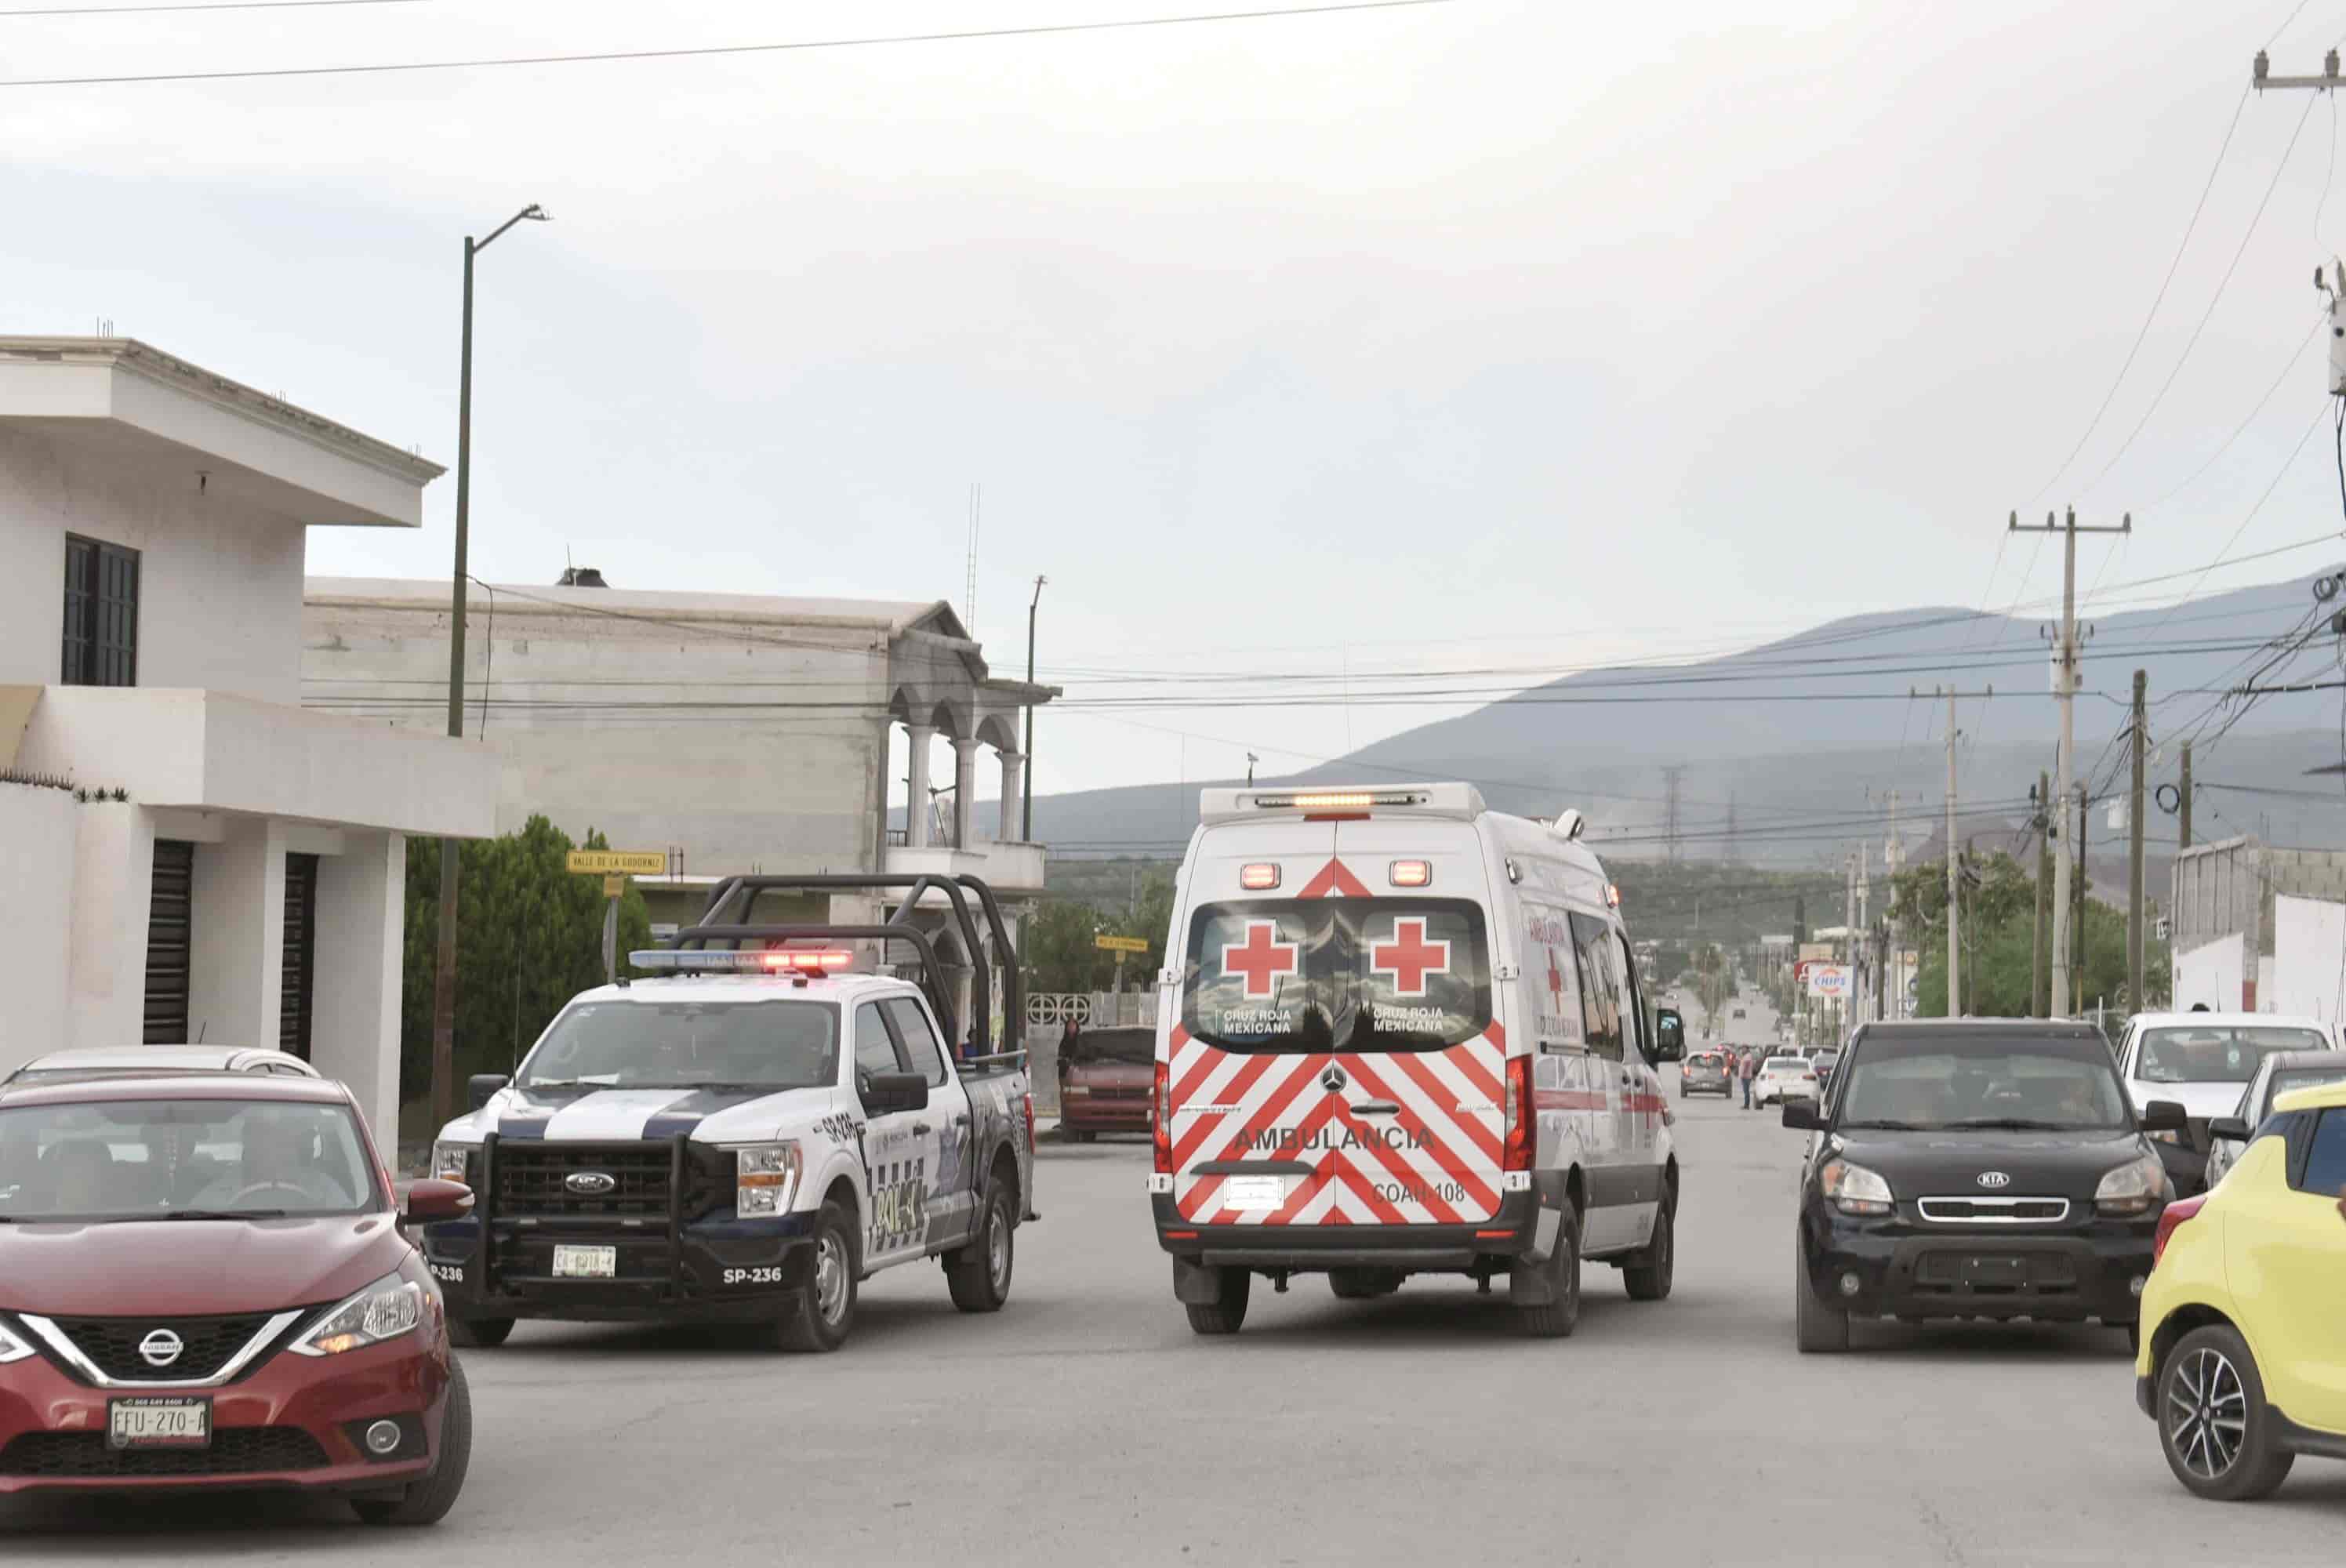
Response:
column 479, row 1333
column 818, row 1315
column 1227, row 1309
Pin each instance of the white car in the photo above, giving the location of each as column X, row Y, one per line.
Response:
column 1783, row 1078
column 2280, row 1072
column 2202, row 1060
column 147, row 1061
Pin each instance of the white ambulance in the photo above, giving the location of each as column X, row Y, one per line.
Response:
column 1401, row 1033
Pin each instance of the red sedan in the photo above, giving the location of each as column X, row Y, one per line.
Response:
column 1106, row 1078
column 203, row 1284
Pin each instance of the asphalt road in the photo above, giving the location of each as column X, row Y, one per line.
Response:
column 1086, row 1424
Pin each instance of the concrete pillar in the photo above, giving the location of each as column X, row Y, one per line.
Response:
column 1014, row 779
column 355, row 997
column 113, row 896
column 916, row 791
column 965, row 787
column 38, row 885
column 237, row 960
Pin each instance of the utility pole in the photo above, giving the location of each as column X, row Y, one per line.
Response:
column 2184, row 808
column 443, row 978
column 1954, row 869
column 2134, row 854
column 2040, row 951
column 1670, row 811
column 1026, row 798
column 2076, row 951
column 2067, row 678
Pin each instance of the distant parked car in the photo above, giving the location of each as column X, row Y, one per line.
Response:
column 2280, row 1073
column 1106, row 1078
column 155, row 1061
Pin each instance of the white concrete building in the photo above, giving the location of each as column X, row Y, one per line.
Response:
column 249, row 887
column 735, row 733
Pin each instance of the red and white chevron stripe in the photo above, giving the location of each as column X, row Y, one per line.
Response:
column 1436, row 1161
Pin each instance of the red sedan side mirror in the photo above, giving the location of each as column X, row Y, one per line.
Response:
column 431, row 1200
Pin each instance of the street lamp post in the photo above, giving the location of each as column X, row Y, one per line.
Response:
column 443, row 980
column 1026, row 793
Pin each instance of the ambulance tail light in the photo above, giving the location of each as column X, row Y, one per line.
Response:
column 1160, row 1123
column 1411, row 873
column 1260, row 877
column 1522, row 1137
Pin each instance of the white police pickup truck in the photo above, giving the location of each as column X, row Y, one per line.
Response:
column 744, row 1139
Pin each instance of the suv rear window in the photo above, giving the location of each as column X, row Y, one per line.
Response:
column 1337, row 974
column 1130, row 1047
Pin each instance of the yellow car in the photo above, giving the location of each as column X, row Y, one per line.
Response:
column 2242, row 1360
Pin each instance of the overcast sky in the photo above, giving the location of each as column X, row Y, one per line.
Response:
column 1496, row 332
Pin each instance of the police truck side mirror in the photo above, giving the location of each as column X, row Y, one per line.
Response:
column 885, row 1093
column 482, row 1086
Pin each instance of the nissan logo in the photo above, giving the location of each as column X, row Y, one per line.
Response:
column 1994, row 1178
column 1333, row 1079
column 160, row 1349
column 590, row 1184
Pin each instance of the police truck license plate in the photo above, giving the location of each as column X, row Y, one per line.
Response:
column 158, row 1423
column 1254, row 1194
column 585, row 1262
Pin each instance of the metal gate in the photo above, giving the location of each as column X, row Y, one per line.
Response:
column 300, row 967
column 168, row 930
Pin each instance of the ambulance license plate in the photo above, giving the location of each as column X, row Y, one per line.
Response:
column 1254, row 1194
column 585, row 1262
column 153, row 1422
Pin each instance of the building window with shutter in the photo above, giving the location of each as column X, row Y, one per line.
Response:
column 101, row 633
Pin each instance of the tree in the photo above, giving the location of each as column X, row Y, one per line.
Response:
column 530, row 937
column 1999, row 940
column 1061, row 953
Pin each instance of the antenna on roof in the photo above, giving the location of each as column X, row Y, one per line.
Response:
column 969, row 591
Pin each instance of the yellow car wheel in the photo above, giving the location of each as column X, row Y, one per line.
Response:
column 2213, row 1422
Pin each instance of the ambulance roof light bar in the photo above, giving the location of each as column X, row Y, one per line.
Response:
column 1461, row 801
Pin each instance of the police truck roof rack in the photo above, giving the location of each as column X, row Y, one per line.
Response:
column 729, row 905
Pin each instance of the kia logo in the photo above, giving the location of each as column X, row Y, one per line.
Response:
column 1994, row 1178
column 1333, row 1079
column 590, row 1184
column 160, row 1349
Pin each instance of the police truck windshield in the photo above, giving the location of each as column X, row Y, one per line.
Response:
column 769, row 1045
column 1337, row 974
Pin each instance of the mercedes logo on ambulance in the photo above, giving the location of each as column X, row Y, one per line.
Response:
column 590, row 1184
column 1994, row 1178
column 160, row 1349
column 1333, row 1079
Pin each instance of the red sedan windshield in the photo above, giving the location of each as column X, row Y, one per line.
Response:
column 103, row 1160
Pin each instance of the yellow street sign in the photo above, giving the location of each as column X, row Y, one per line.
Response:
column 615, row 886
column 1120, row 944
column 620, row 862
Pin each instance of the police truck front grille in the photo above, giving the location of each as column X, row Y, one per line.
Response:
column 535, row 1180
column 206, row 1344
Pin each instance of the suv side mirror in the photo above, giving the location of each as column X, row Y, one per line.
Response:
column 2165, row 1117
column 885, row 1094
column 431, row 1200
column 481, row 1087
column 1670, row 1036
column 2231, row 1127
column 1803, row 1116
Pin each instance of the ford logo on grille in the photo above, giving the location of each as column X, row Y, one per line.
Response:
column 590, row 1184
column 1994, row 1178
column 1333, row 1079
column 160, row 1349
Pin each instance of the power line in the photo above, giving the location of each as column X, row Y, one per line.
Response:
column 199, row 5
column 2143, row 333
column 2192, row 342
column 1033, row 31
column 2287, row 366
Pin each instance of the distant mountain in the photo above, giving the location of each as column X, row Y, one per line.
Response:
column 1810, row 776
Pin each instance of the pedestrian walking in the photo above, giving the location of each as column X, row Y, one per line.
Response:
column 1751, row 1071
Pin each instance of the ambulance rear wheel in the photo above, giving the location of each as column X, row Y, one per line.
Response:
column 1227, row 1309
column 1556, row 1320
